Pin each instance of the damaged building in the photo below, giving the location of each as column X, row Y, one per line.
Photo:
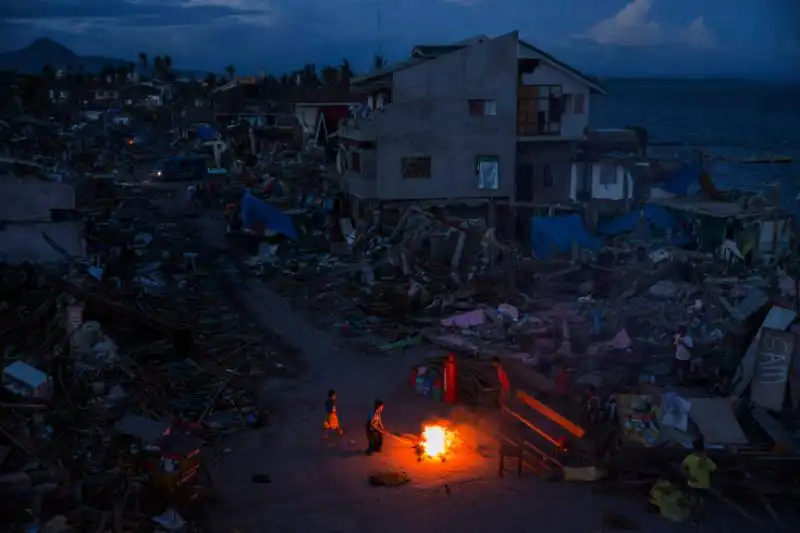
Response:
column 32, row 208
column 485, row 120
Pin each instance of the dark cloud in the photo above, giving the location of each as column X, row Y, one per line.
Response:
column 147, row 12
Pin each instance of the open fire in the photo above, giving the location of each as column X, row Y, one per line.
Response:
column 436, row 441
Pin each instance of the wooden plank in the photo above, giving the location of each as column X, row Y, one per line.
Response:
column 775, row 353
column 536, row 430
column 543, row 409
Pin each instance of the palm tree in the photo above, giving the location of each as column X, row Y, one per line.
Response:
column 345, row 72
column 107, row 72
column 378, row 62
column 158, row 65
column 120, row 73
column 330, row 76
column 309, row 75
column 48, row 72
column 231, row 70
column 143, row 60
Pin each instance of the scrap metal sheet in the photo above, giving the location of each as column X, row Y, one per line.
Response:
column 772, row 368
column 778, row 318
column 715, row 419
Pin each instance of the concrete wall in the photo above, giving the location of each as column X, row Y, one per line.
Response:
column 620, row 189
column 364, row 184
column 24, row 199
column 429, row 116
column 24, row 242
column 556, row 155
column 572, row 124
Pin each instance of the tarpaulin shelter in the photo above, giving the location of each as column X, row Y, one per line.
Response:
column 207, row 133
column 558, row 234
column 686, row 180
column 259, row 214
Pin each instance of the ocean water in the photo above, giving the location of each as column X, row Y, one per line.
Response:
column 727, row 120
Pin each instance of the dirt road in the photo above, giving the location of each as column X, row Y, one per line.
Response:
column 321, row 486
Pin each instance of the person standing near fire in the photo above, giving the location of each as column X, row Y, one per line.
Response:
column 331, row 422
column 505, row 384
column 375, row 429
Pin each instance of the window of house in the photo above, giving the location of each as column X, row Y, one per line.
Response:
column 480, row 107
column 487, row 169
column 578, row 104
column 355, row 162
column 418, row 167
column 547, row 176
column 608, row 174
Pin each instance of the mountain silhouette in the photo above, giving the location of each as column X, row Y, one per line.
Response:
column 44, row 51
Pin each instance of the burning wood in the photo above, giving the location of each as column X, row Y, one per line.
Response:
column 436, row 441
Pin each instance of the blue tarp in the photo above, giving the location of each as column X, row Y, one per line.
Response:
column 684, row 181
column 259, row 213
column 557, row 234
column 207, row 133
column 655, row 215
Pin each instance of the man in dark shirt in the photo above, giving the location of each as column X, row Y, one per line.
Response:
column 375, row 429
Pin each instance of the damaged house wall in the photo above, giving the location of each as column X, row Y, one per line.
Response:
column 26, row 211
column 429, row 116
column 549, row 164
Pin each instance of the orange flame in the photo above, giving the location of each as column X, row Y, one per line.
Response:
column 436, row 440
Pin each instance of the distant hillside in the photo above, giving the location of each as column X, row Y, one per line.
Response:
column 43, row 52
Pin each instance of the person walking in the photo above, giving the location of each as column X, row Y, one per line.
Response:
column 375, row 429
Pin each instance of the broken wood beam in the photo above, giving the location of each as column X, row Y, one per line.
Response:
column 536, row 430
column 541, row 408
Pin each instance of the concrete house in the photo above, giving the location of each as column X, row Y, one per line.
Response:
column 487, row 120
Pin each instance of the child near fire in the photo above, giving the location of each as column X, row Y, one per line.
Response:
column 331, row 422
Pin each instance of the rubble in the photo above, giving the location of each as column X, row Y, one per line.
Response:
column 127, row 362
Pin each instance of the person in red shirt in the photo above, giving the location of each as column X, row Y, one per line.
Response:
column 505, row 384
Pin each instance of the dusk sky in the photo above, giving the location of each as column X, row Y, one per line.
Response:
column 747, row 38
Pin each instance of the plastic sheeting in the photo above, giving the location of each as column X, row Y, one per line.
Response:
column 207, row 133
column 684, row 181
column 558, row 234
column 257, row 213
column 656, row 216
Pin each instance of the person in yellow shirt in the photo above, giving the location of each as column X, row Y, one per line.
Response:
column 698, row 468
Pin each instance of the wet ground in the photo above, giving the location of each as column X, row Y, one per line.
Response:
column 322, row 485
